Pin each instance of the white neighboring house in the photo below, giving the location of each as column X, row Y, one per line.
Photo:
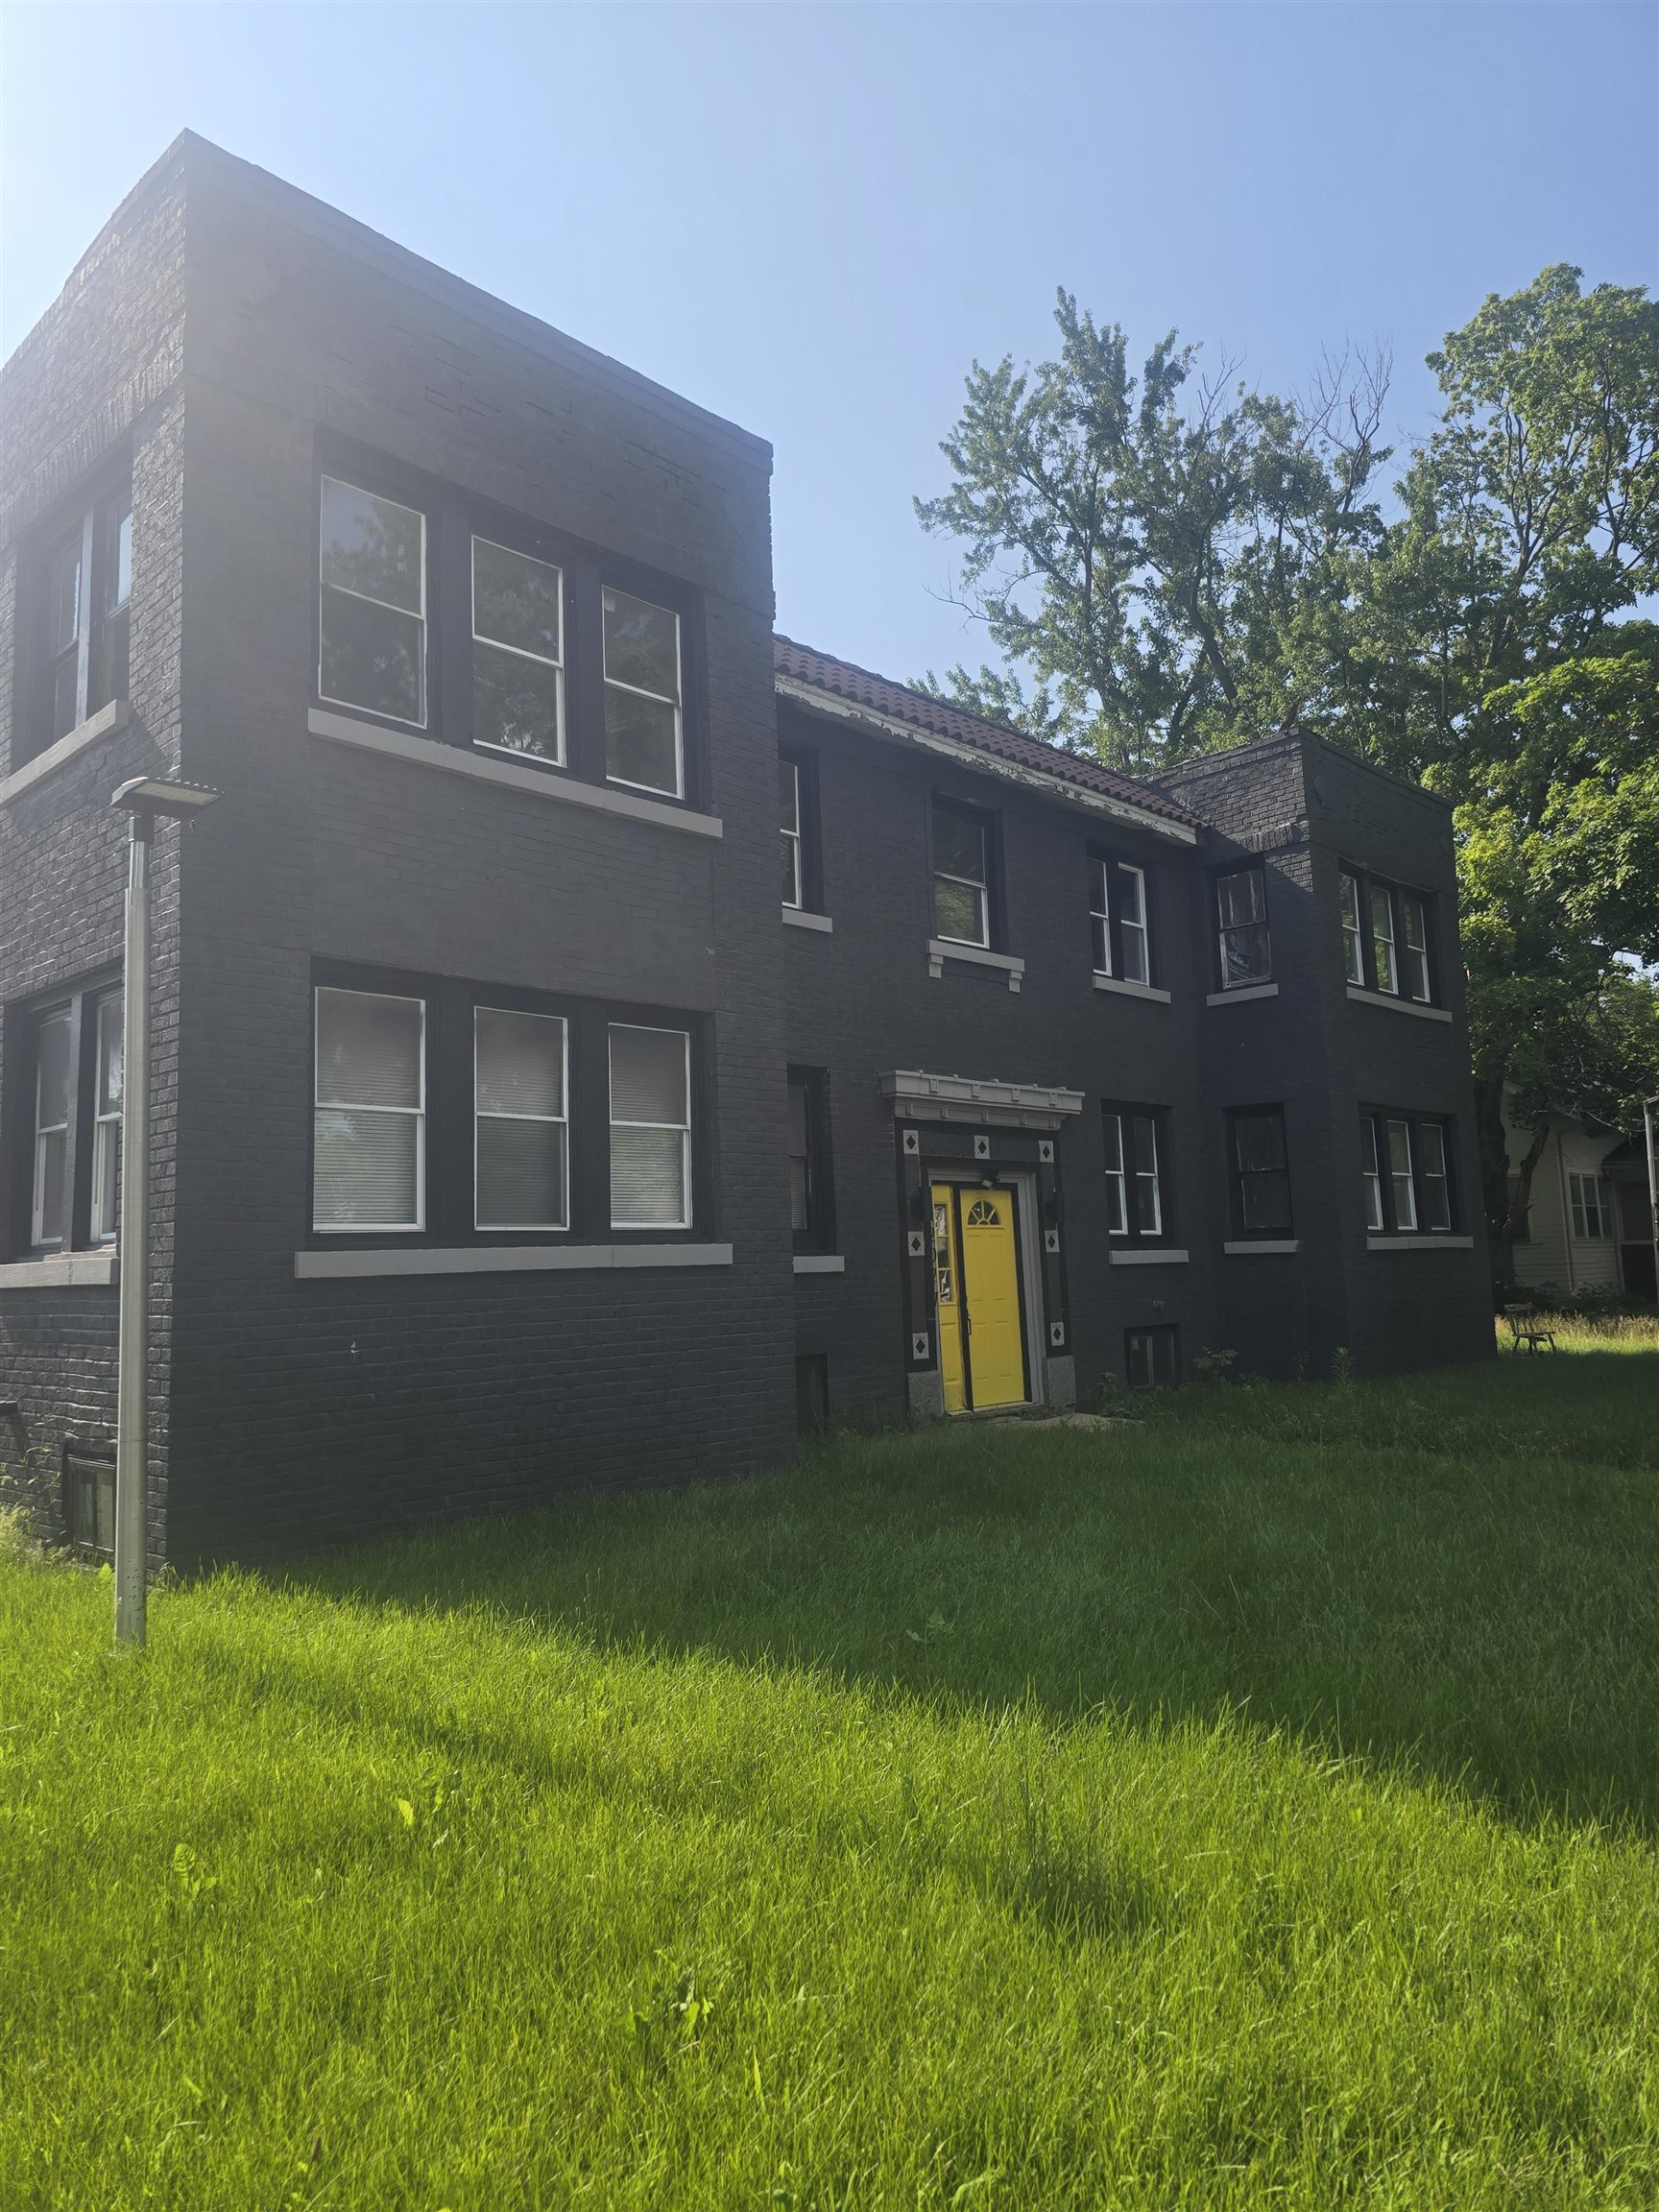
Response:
column 1588, row 1225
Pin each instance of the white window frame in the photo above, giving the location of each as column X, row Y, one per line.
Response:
column 1379, row 894
column 1117, row 1183
column 638, row 691
column 417, row 1226
column 107, row 1126
column 792, row 836
column 555, row 760
column 1353, row 930
column 968, row 883
column 1136, row 926
column 546, row 1120
column 1591, row 1195
column 655, row 1029
column 1100, row 914
column 1371, row 1167
column 1408, row 1174
column 38, row 1238
column 355, row 706
column 1415, row 961
column 1430, row 1176
column 1152, row 1175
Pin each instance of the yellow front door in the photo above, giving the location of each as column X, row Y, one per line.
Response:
column 976, row 1283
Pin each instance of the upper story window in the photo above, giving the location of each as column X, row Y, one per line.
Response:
column 961, row 874
column 1242, row 941
column 811, row 1215
column 1135, row 1187
column 1260, row 1172
column 1405, row 1170
column 1385, row 938
column 490, row 632
column 798, row 831
column 643, row 745
column 82, row 618
column 517, row 653
column 372, row 618
column 1117, row 915
column 72, row 1057
column 789, row 820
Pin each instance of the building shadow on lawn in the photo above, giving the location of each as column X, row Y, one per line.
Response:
column 1492, row 1622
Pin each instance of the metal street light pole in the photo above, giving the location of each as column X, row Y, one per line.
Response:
column 1647, row 1106
column 142, row 799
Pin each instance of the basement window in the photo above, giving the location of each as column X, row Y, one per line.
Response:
column 1150, row 1359
column 89, row 1504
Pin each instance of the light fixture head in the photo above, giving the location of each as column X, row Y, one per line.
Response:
column 156, row 795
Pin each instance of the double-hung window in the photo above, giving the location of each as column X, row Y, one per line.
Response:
column 961, row 874
column 84, row 614
column 1261, row 1172
column 71, row 1053
column 1386, row 934
column 1591, row 1197
column 372, row 620
column 1137, row 1204
column 109, row 1052
column 789, row 818
column 1242, row 941
column 643, row 744
column 517, row 653
column 1406, row 1174
column 650, row 1127
column 368, row 1170
column 811, row 1216
column 1118, row 917
column 521, row 1153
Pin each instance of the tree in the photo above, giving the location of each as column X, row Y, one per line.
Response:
column 1141, row 545
column 1178, row 574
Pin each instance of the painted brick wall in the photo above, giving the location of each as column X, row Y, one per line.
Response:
column 99, row 377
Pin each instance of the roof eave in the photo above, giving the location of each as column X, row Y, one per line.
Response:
column 817, row 701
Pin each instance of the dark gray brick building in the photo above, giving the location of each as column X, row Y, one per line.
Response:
column 507, row 1135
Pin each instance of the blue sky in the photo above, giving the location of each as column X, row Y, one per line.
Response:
column 812, row 218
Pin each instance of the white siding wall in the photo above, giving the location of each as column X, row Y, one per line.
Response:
column 1554, row 1254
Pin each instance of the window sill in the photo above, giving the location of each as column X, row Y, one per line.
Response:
column 820, row 1264
column 1149, row 1255
column 943, row 948
column 552, row 784
column 1261, row 1244
column 1240, row 993
column 107, row 722
column 1131, row 990
column 798, row 918
column 1361, row 997
column 502, row 1260
column 1430, row 1243
column 63, row 1271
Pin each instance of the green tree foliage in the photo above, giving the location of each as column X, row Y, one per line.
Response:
column 1171, row 564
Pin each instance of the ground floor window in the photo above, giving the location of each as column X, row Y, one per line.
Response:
column 1592, row 1201
column 70, row 1164
column 1150, row 1359
column 1137, row 1178
column 1260, row 1173
column 1406, row 1174
column 455, row 1111
column 811, row 1213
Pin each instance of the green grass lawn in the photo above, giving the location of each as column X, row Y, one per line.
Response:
column 1253, row 1806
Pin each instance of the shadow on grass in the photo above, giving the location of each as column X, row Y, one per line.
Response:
column 1488, row 1616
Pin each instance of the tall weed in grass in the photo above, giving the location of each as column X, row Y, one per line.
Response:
column 1156, row 1816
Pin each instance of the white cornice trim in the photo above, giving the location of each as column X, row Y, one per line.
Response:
column 918, row 1097
column 107, row 722
column 539, row 783
column 502, row 1259
column 871, row 718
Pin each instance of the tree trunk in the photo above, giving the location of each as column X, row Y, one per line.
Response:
column 1506, row 1210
